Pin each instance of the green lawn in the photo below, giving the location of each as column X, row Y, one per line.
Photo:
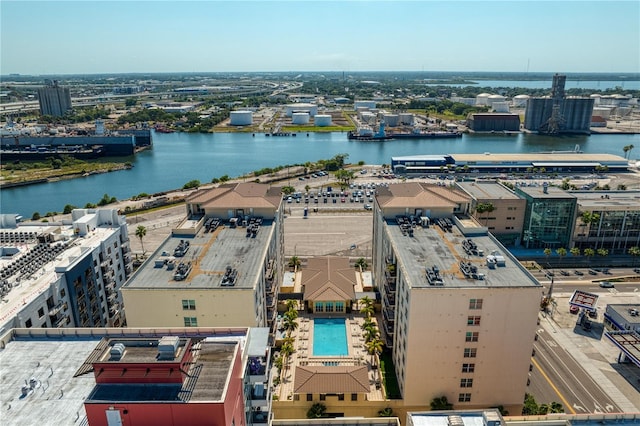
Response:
column 389, row 379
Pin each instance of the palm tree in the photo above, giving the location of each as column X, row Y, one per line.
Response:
column 441, row 403
column 374, row 348
column 547, row 252
column 141, row 231
column 294, row 262
column 627, row 150
column 575, row 251
column 602, row 252
column 367, row 311
column 362, row 263
column 485, row 208
column 290, row 324
column 561, row 252
column 386, row 412
column 291, row 305
column 635, row 252
column 286, row 351
column 589, row 252
column 316, row 411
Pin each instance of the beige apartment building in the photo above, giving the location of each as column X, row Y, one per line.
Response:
column 458, row 310
column 505, row 216
column 219, row 268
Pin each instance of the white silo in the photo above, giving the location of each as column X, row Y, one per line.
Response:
column 391, row 120
column 482, row 99
column 312, row 109
column 406, row 119
column 604, row 112
column 500, row 106
column 99, row 127
column 520, row 101
column 322, row 120
column 300, row 118
column 368, row 117
column 241, row 118
column 596, row 99
column 495, row 98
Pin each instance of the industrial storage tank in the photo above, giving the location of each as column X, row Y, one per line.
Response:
column 368, row 117
column 406, row 119
column 596, row 98
column 500, row 106
column 604, row 112
column 495, row 98
column 520, row 100
column 322, row 120
column 241, row 118
column 312, row 109
column 300, row 118
column 391, row 120
column 482, row 99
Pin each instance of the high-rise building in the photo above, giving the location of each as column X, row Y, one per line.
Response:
column 220, row 267
column 458, row 310
column 53, row 99
column 64, row 275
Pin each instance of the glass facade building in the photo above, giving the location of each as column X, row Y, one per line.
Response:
column 549, row 218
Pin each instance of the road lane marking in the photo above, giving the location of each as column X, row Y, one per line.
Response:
column 562, row 398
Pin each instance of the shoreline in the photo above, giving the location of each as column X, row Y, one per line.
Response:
column 59, row 177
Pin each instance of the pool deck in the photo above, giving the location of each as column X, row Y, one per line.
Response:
column 303, row 355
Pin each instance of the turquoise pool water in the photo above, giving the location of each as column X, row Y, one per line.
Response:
column 329, row 337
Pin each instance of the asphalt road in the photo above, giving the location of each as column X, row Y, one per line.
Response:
column 556, row 376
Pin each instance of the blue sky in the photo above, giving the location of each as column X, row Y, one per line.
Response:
column 74, row 37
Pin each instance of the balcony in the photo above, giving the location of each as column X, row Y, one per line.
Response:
column 259, row 417
column 390, row 298
column 271, row 301
column 257, row 369
column 388, row 329
column 389, row 315
column 57, row 308
column 61, row 322
column 125, row 248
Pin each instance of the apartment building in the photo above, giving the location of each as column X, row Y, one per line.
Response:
column 458, row 311
column 219, row 268
column 65, row 274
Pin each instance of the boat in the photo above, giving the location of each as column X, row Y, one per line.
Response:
column 366, row 133
column 424, row 134
column 161, row 128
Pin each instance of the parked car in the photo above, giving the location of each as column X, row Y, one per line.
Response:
column 606, row 284
column 578, row 272
column 368, row 207
column 593, row 272
column 564, row 273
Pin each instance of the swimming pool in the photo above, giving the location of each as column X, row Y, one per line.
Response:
column 329, row 337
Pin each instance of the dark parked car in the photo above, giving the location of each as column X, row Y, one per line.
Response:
column 593, row 272
column 578, row 272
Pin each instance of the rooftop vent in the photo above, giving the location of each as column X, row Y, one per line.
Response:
column 168, row 347
column 117, row 351
column 455, row 421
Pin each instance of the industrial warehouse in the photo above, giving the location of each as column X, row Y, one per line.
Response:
column 553, row 162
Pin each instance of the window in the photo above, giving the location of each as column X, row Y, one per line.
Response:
column 190, row 321
column 468, row 368
column 40, row 312
column 319, row 307
column 354, row 396
column 28, row 323
column 62, row 292
column 475, row 303
column 470, row 352
column 328, row 306
column 473, row 320
column 464, row 397
column 466, row 383
column 472, row 336
column 188, row 305
column 339, row 306
column 309, row 397
column 340, row 397
column 323, row 397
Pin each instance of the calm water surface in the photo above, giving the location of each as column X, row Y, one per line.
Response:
column 177, row 158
